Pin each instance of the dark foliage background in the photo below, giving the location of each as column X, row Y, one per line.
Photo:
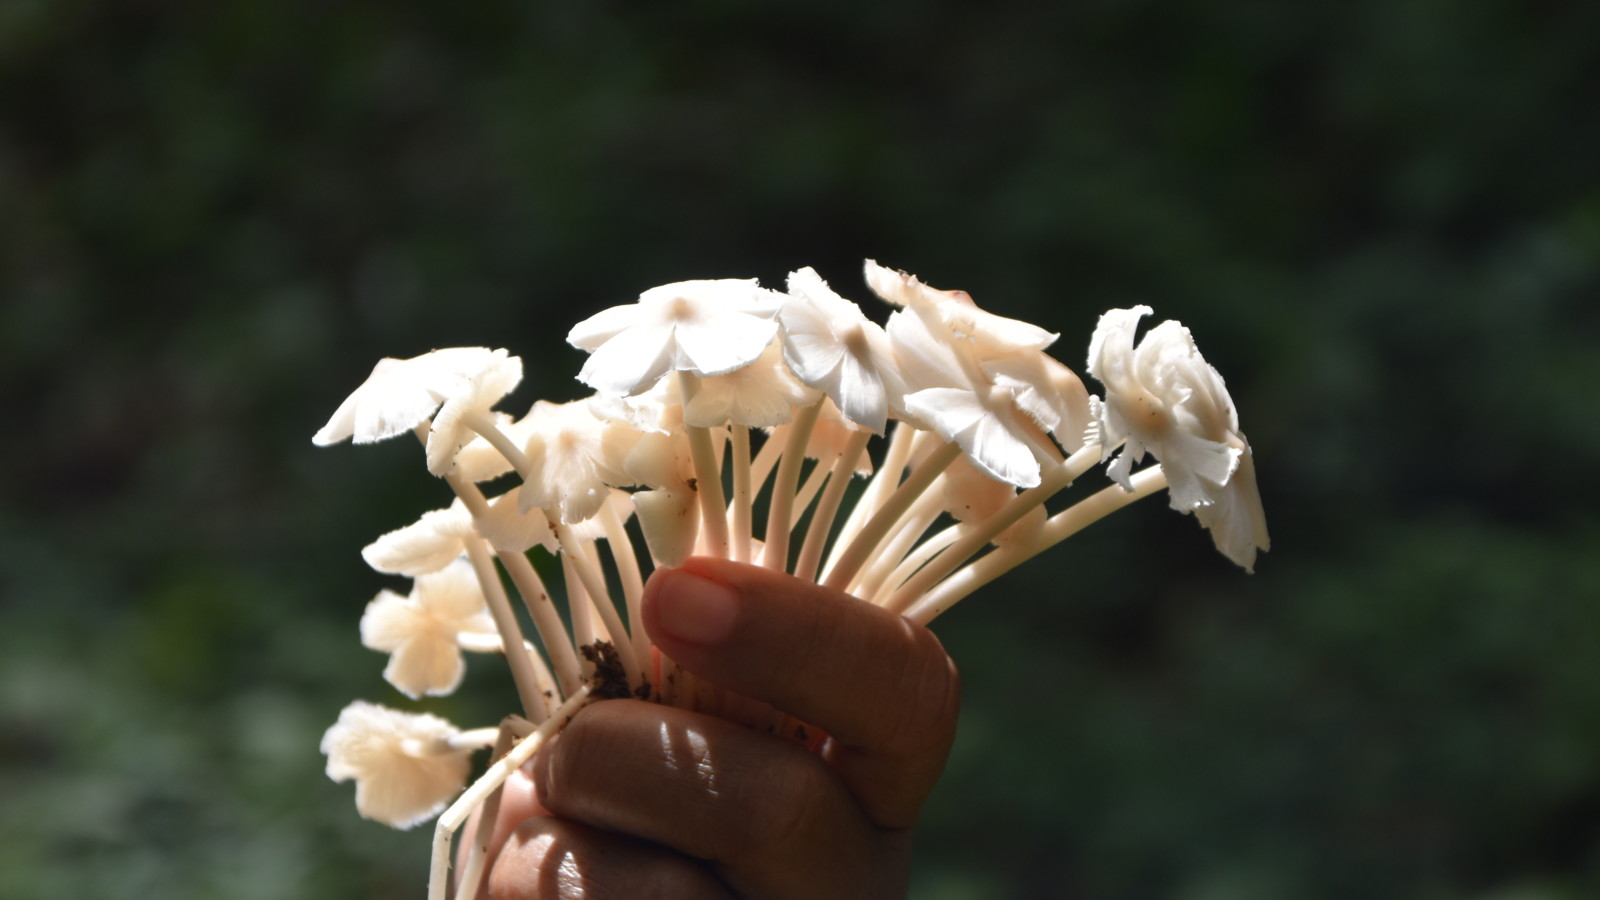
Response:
column 1381, row 219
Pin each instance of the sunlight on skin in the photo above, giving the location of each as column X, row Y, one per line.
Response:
column 666, row 748
column 689, row 751
column 704, row 763
column 570, row 876
column 565, row 875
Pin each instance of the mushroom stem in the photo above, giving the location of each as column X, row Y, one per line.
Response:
column 578, row 610
column 480, row 643
column 588, row 572
column 484, row 424
column 861, row 546
column 548, row 692
column 505, row 621
column 884, row 480
column 545, row 620
column 767, row 457
column 815, row 479
column 708, row 476
column 626, row 558
column 1055, row 479
column 897, row 543
column 478, row 853
column 822, row 520
column 1056, row 529
column 916, row 559
column 776, row 555
column 459, row 742
column 739, row 438
column 473, row 642
column 477, row 792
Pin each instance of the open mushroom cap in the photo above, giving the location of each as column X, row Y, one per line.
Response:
column 403, row 771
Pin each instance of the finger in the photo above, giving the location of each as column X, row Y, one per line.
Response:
column 773, row 818
column 518, row 803
column 882, row 687
column 548, row 858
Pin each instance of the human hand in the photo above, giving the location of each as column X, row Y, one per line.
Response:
column 639, row 799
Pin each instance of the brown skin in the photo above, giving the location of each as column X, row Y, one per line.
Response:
column 640, row 800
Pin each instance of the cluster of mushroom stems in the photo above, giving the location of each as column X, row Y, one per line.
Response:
column 721, row 406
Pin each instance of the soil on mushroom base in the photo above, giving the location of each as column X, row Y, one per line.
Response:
column 610, row 680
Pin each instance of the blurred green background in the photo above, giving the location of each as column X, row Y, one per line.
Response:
column 1380, row 218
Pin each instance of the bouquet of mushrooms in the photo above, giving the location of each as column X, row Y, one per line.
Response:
column 735, row 421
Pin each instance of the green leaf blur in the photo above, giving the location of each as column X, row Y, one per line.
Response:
column 1380, row 218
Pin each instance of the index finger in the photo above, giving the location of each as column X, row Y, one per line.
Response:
column 882, row 687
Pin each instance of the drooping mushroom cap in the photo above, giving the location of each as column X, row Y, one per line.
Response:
column 401, row 394
column 1164, row 399
column 403, row 773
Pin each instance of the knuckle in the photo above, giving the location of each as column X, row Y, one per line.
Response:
column 583, row 751
column 783, row 802
column 925, row 713
column 810, row 635
column 515, row 873
column 569, row 752
column 549, row 858
column 676, row 880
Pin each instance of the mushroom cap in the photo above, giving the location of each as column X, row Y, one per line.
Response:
column 395, row 784
column 708, row 327
column 401, row 394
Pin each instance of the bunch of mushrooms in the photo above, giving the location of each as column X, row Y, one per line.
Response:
column 718, row 403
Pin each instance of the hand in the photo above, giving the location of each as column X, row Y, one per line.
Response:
column 638, row 799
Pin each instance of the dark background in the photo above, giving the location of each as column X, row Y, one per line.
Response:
column 1380, row 218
